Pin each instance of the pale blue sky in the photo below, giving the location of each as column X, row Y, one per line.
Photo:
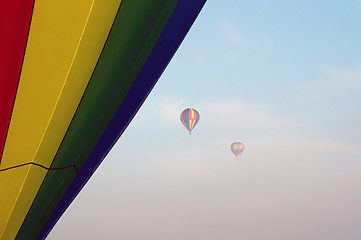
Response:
column 284, row 78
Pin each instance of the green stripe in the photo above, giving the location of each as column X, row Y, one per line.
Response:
column 136, row 29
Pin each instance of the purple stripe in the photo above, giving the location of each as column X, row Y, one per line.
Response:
column 182, row 18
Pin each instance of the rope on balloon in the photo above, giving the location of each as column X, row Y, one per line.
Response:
column 39, row 165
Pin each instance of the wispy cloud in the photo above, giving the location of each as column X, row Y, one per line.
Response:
column 336, row 78
column 343, row 78
column 236, row 112
column 231, row 32
column 341, row 81
column 222, row 117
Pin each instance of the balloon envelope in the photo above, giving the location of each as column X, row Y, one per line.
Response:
column 73, row 75
column 237, row 148
column 189, row 118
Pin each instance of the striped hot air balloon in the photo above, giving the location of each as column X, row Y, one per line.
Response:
column 237, row 148
column 189, row 118
column 73, row 73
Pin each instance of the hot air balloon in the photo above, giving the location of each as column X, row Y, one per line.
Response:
column 189, row 118
column 237, row 149
column 72, row 76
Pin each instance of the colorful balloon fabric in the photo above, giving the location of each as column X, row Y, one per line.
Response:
column 189, row 118
column 73, row 75
column 237, row 148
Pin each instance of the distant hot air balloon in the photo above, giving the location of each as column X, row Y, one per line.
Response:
column 189, row 118
column 73, row 74
column 237, row 148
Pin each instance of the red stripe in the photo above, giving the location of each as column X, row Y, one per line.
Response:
column 15, row 19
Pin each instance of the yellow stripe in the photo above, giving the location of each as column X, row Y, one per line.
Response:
column 19, row 185
column 65, row 41
column 192, row 113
